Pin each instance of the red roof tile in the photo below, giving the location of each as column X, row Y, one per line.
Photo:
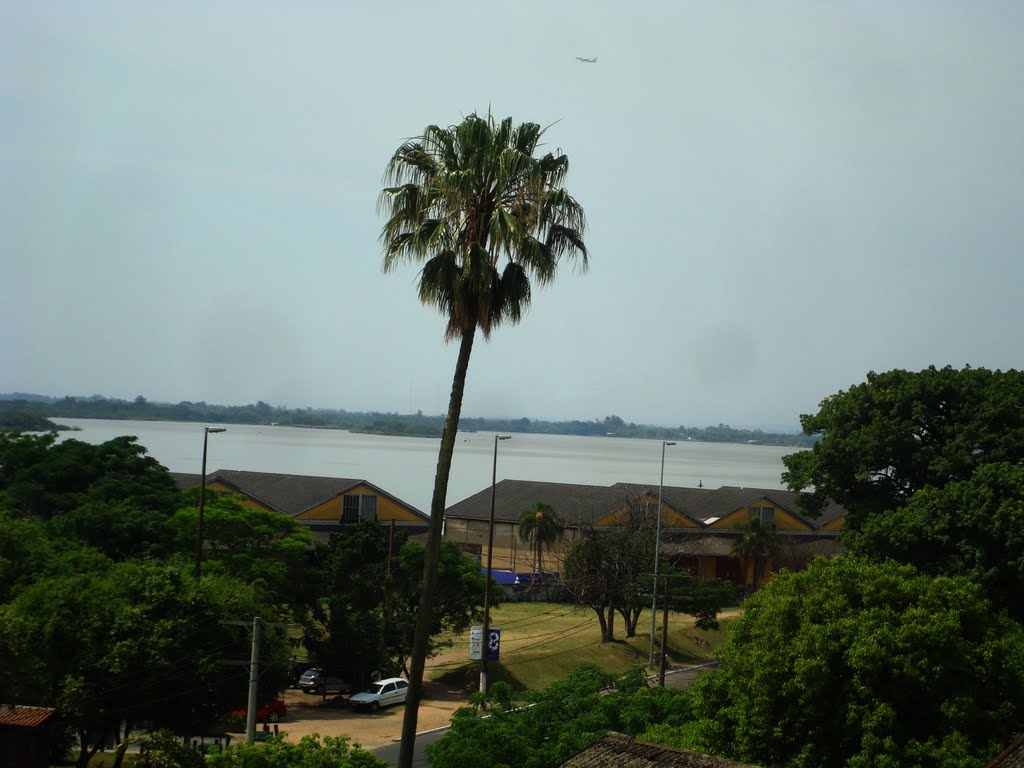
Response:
column 28, row 717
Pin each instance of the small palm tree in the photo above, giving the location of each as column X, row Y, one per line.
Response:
column 541, row 526
column 758, row 542
column 483, row 216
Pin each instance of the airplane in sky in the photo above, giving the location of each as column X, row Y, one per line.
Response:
column 588, row 61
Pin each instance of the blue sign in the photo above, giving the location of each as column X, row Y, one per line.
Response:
column 493, row 643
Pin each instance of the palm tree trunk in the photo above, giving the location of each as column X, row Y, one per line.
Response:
column 418, row 657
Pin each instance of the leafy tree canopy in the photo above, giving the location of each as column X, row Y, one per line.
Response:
column 861, row 664
column 972, row 528
column 45, row 479
column 259, row 546
column 889, row 437
column 608, row 569
column 366, row 615
column 138, row 644
column 311, row 752
column 501, row 731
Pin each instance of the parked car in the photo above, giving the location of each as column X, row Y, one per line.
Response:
column 319, row 681
column 271, row 712
column 383, row 693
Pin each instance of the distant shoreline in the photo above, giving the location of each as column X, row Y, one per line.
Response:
column 19, row 409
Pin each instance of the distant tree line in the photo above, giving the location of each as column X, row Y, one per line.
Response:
column 29, row 412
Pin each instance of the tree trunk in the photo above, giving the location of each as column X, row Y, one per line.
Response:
column 630, row 617
column 599, row 610
column 418, row 656
column 611, row 626
column 119, row 754
column 86, row 753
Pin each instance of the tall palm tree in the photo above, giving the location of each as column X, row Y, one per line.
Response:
column 483, row 217
column 541, row 526
column 758, row 542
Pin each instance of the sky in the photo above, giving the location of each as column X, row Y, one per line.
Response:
column 781, row 197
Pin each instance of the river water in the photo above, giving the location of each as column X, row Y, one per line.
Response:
column 405, row 466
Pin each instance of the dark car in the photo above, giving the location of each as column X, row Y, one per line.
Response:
column 320, row 681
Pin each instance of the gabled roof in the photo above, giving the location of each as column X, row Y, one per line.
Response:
column 575, row 504
column 25, row 717
column 614, row 750
column 288, row 494
column 584, row 504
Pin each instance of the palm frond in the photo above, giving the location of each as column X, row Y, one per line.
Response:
column 467, row 198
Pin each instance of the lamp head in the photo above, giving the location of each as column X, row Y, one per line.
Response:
column 669, row 442
column 216, row 429
column 504, row 437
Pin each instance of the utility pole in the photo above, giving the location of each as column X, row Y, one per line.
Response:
column 254, row 670
column 664, row 637
column 486, row 639
column 254, row 678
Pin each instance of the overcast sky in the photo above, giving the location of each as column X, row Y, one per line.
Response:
column 781, row 197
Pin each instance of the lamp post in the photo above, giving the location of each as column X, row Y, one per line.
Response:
column 202, row 502
column 485, row 639
column 657, row 551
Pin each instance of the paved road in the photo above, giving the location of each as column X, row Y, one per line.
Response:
column 389, row 752
column 678, row 678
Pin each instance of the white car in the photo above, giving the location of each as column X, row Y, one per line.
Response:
column 391, row 690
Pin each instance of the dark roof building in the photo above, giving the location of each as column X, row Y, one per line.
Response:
column 615, row 750
column 583, row 505
column 323, row 504
column 698, row 525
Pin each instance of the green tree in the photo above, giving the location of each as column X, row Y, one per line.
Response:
column 137, row 644
column 541, row 527
column 758, row 542
column 608, row 570
column 458, row 601
column 889, row 437
column 110, row 496
column 861, row 664
column 972, row 528
column 347, row 634
column 311, row 752
column 365, row 620
column 259, row 546
column 499, row 731
column 484, row 217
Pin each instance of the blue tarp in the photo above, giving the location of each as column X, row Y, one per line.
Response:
column 511, row 579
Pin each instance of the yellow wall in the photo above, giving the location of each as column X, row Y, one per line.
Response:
column 835, row 525
column 669, row 517
column 783, row 520
column 246, row 501
column 510, row 553
column 387, row 508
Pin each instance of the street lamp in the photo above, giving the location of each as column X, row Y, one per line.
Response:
column 485, row 639
column 657, row 551
column 202, row 502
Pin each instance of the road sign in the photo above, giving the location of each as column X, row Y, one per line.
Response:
column 476, row 643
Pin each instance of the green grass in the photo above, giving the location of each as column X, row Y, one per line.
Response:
column 543, row 642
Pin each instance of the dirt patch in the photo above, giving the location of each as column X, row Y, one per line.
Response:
column 315, row 714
